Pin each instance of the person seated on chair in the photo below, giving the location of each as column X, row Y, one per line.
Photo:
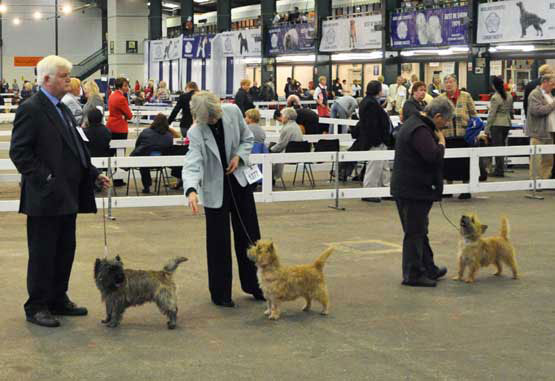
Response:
column 290, row 132
column 252, row 118
column 157, row 138
column 306, row 117
column 97, row 133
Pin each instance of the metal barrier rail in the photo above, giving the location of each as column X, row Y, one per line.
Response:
column 268, row 194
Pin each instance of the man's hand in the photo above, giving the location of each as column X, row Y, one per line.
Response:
column 104, row 181
column 193, row 202
column 233, row 164
column 441, row 137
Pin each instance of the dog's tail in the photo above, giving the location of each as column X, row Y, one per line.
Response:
column 171, row 266
column 504, row 227
column 319, row 263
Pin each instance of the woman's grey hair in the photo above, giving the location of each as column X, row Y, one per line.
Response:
column 442, row 106
column 449, row 76
column 205, row 107
column 49, row 66
column 289, row 113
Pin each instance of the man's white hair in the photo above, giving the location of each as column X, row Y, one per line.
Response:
column 289, row 113
column 49, row 66
column 293, row 100
column 205, row 106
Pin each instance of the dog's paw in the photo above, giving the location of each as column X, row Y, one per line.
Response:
column 171, row 325
column 469, row 280
column 112, row 324
column 497, row 274
column 267, row 312
column 105, row 321
column 273, row 317
column 325, row 313
column 456, row 278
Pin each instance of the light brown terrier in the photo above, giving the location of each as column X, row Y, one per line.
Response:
column 286, row 283
column 476, row 252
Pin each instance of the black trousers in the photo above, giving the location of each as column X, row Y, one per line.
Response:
column 51, row 242
column 218, row 241
column 146, row 178
column 418, row 258
column 498, row 139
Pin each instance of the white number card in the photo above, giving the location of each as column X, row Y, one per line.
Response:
column 253, row 174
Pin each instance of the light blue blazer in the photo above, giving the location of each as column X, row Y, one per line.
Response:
column 203, row 167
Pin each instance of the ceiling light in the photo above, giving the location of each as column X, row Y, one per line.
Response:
column 37, row 15
column 16, row 21
column 170, row 5
column 3, row 8
column 66, row 9
column 310, row 57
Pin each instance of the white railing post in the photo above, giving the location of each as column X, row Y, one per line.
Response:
column 137, row 122
column 110, row 175
column 534, row 164
column 267, row 178
column 336, row 206
column 474, row 180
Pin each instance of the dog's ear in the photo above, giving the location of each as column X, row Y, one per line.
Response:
column 118, row 258
column 272, row 247
column 484, row 228
column 96, row 267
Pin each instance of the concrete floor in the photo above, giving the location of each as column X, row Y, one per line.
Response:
column 495, row 329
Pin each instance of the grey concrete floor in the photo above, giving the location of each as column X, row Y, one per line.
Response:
column 495, row 329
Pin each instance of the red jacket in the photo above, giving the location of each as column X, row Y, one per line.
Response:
column 120, row 113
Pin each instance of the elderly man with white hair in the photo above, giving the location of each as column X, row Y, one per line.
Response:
column 215, row 165
column 290, row 132
column 48, row 148
column 306, row 117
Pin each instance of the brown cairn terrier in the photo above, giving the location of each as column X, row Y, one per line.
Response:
column 476, row 252
column 125, row 288
column 286, row 283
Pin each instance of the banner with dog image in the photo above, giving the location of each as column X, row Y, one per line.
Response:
column 524, row 20
column 291, row 38
column 198, row 46
column 165, row 50
column 430, row 27
column 346, row 34
column 242, row 43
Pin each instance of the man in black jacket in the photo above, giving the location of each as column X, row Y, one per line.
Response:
column 97, row 133
column 48, row 149
column 183, row 106
column 374, row 134
column 416, row 183
column 306, row 117
column 242, row 98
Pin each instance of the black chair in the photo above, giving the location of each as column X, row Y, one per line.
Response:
column 297, row 147
column 325, row 145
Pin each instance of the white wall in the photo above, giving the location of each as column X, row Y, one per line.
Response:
column 79, row 35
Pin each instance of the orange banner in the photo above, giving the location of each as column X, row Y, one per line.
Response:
column 28, row 61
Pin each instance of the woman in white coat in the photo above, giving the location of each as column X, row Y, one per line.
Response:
column 219, row 149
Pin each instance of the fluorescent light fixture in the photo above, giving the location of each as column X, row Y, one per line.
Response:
column 356, row 56
column 66, row 9
column 201, row 1
column 3, row 8
column 310, row 57
column 170, row 5
column 524, row 48
column 439, row 52
column 16, row 21
column 252, row 60
column 37, row 15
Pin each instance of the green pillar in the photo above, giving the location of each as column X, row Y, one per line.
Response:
column 187, row 17
column 322, row 64
column 155, row 20
column 268, row 67
column 391, row 67
column 223, row 10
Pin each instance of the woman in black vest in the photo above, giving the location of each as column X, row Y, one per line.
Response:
column 417, row 182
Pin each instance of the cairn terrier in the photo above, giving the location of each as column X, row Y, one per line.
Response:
column 121, row 288
column 476, row 252
column 286, row 283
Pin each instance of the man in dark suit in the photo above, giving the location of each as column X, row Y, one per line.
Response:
column 242, row 98
column 183, row 106
column 48, row 149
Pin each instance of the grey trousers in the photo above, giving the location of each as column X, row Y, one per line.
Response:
column 377, row 172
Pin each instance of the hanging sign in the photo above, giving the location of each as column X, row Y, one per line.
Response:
column 197, row 46
column 291, row 38
column 506, row 21
column 166, row 49
column 348, row 34
column 430, row 27
column 242, row 43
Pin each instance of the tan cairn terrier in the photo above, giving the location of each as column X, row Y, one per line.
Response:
column 286, row 283
column 476, row 251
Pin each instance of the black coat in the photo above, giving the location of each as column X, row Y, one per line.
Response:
column 150, row 140
column 53, row 180
column 183, row 106
column 243, row 101
column 99, row 140
column 412, row 107
column 374, row 127
column 309, row 119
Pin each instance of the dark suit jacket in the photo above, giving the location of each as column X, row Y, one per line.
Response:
column 149, row 140
column 243, row 101
column 183, row 105
column 53, row 180
column 374, row 125
column 99, row 140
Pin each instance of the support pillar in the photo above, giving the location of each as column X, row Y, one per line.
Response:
column 127, row 21
column 322, row 64
column 391, row 66
column 187, row 17
column 155, row 20
column 223, row 9
column 268, row 65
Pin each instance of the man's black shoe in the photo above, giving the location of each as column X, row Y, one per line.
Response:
column 447, row 196
column 44, row 319
column 371, row 199
column 465, row 196
column 119, row 183
column 423, row 281
column 259, row 296
column 441, row 271
column 146, row 190
column 227, row 303
column 69, row 309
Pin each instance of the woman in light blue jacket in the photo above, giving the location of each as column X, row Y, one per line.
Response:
column 219, row 148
